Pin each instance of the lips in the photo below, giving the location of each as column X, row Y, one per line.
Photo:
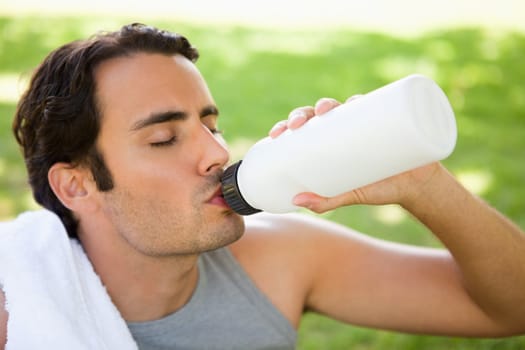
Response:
column 218, row 199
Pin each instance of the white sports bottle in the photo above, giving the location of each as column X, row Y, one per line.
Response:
column 398, row 127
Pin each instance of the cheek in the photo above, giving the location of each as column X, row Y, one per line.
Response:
column 157, row 186
column 157, row 183
column 130, row 168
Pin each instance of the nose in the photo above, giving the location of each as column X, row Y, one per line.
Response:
column 215, row 154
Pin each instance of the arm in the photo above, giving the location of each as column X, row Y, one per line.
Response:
column 475, row 289
column 488, row 248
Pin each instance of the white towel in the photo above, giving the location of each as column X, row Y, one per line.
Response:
column 54, row 297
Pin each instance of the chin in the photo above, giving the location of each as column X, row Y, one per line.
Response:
column 234, row 231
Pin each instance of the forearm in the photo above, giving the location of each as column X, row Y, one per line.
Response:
column 488, row 248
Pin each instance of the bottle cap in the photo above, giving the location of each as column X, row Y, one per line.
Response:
column 231, row 193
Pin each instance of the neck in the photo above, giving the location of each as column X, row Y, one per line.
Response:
column 142, row 287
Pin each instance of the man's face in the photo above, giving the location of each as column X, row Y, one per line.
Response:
column 157, row 139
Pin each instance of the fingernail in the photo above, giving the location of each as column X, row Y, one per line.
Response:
column 275, row 129
column 296, row 118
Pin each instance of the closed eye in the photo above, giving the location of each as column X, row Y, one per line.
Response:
column 165, row 143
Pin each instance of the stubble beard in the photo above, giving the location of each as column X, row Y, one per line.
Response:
column 148, row 226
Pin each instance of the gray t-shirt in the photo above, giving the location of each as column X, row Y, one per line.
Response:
column 226, row 311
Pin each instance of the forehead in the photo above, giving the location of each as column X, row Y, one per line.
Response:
column 131, row 87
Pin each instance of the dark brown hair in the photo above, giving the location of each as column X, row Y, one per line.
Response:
column 57, row 118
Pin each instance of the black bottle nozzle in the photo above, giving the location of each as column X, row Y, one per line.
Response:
column 231, row 193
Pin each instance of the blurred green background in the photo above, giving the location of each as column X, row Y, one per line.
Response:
column 258, row 74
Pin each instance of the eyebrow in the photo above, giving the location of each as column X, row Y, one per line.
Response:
column 209, row 110
column 168, row 116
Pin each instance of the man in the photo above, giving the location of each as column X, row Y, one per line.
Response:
column 120, row 138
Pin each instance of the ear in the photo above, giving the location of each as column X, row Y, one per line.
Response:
column 73, row 186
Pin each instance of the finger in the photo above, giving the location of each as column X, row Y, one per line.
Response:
column 313, row 202
column 299, row 116
column 325, row 104
column 320, row 204
column 278, row 129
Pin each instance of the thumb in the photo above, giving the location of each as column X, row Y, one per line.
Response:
column 320, row 204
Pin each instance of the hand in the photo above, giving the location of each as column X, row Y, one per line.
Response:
column 301, row 115
column 399, row 189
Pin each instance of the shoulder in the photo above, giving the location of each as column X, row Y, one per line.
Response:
column 273, row 253
column 270, row 236
column 289, row 225
column 292, row 234
column 283, row 254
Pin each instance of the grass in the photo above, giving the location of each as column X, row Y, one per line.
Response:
column 258, row 76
